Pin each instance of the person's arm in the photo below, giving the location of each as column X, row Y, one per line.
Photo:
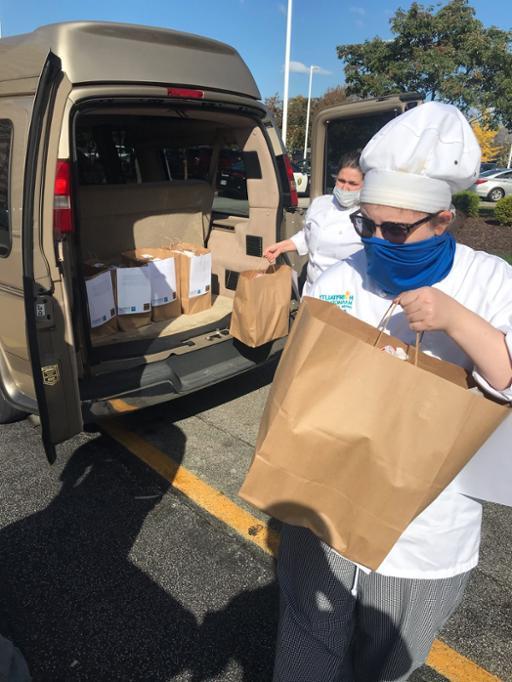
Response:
column 428, row 309
column 297, row 242
column 275, row 250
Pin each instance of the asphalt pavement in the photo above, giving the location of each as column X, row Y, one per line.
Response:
column 109, row 573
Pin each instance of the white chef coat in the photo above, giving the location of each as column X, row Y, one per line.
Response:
column 328, row 236
column 444, row 539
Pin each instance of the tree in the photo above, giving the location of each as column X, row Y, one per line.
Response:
column 297, row 112
column 330, row 98
column 486, row 137
column 446, row 55
column 275, row 105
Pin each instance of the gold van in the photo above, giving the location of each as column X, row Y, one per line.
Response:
column 115, row 137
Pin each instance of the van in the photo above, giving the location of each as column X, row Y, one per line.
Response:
column 116, row 138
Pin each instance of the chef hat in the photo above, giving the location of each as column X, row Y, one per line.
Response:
column 419, row 159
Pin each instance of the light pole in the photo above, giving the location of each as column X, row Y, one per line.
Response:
column 311, row 69
column 287, row 70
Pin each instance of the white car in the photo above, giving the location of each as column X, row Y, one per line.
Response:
column 494, row 184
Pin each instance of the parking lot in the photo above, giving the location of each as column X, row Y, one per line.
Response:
column 133, row 558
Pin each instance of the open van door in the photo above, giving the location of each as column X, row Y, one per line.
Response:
column 51, row 355
column 348, row 127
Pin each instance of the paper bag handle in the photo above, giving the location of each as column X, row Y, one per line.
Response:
column 382, row 326
column 266, row 265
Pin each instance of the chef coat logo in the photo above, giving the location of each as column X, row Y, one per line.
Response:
column 344, row 301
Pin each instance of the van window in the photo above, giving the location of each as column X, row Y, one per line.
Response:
column 5, row 165
column 105, row 156
column 348, row 135
column 187, row 163
column 231, row 183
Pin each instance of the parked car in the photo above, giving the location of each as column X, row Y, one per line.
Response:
column 488, row 165
column 494, row 184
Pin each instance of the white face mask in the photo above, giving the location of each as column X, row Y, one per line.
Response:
column 346, row 198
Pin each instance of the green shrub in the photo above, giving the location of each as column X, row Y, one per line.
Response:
column 467, row 202
column 503, row 211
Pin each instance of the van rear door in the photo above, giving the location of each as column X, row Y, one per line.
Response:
column 52, row 356
column 348, row 127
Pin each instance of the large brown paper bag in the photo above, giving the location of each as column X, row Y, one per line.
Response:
column 354, row 443
column 261, row 308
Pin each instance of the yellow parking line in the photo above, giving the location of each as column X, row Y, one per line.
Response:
column 210, row 499
column 442, row 658
column 455, row 667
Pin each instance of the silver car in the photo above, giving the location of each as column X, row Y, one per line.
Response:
column 494, row 184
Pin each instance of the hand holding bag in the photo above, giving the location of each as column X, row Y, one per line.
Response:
column 355, row 443
column 261, row 307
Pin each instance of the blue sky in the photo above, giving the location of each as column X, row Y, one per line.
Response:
column 256, row 28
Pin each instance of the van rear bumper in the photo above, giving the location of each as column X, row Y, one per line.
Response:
column 177, row 375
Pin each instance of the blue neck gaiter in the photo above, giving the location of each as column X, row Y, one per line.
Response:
column 396, row 268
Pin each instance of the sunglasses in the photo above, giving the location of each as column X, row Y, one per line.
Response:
column 365, row 227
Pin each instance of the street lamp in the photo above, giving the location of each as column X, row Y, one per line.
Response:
column 287, row 70
column 311, row 69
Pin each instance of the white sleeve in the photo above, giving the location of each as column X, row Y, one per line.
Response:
column 499, row 314
column 506, row 394
column 300, row 238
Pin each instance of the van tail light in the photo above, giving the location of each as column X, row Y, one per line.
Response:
column 294, row 199
column 186, row 93
column 62, row 214
column 480, row 182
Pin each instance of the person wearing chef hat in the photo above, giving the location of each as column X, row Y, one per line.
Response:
column 345, row 622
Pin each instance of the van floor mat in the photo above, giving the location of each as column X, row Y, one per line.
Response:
column 147, row 346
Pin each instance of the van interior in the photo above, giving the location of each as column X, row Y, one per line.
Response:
column 149, row 176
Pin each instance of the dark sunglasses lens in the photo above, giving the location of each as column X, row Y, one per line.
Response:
column 363, row 226
column 394, row 229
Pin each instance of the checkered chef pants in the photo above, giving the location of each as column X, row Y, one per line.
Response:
column 338, row 624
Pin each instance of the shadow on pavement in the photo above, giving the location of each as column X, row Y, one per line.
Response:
column 78, row 607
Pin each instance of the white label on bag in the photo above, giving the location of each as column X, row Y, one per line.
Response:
column 133, row 290
column 200, row 274
column 162, row 274
column 100, row 297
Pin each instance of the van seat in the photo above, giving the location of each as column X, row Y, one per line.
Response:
column 116, row 218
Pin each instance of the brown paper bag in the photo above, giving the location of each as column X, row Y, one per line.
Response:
column 134, row 301
column 91, row 269
column 191, row 301
column 160, row 309
column 355, row 443
column 261, row 308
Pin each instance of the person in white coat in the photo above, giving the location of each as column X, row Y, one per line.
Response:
column 340, row 621
column 328, row 235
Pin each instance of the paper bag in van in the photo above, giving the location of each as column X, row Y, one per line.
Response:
column 133, row 297
column 195, row 267
column 164, row 279
column 358, row 440
column 261, row 308
column 100, row 299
